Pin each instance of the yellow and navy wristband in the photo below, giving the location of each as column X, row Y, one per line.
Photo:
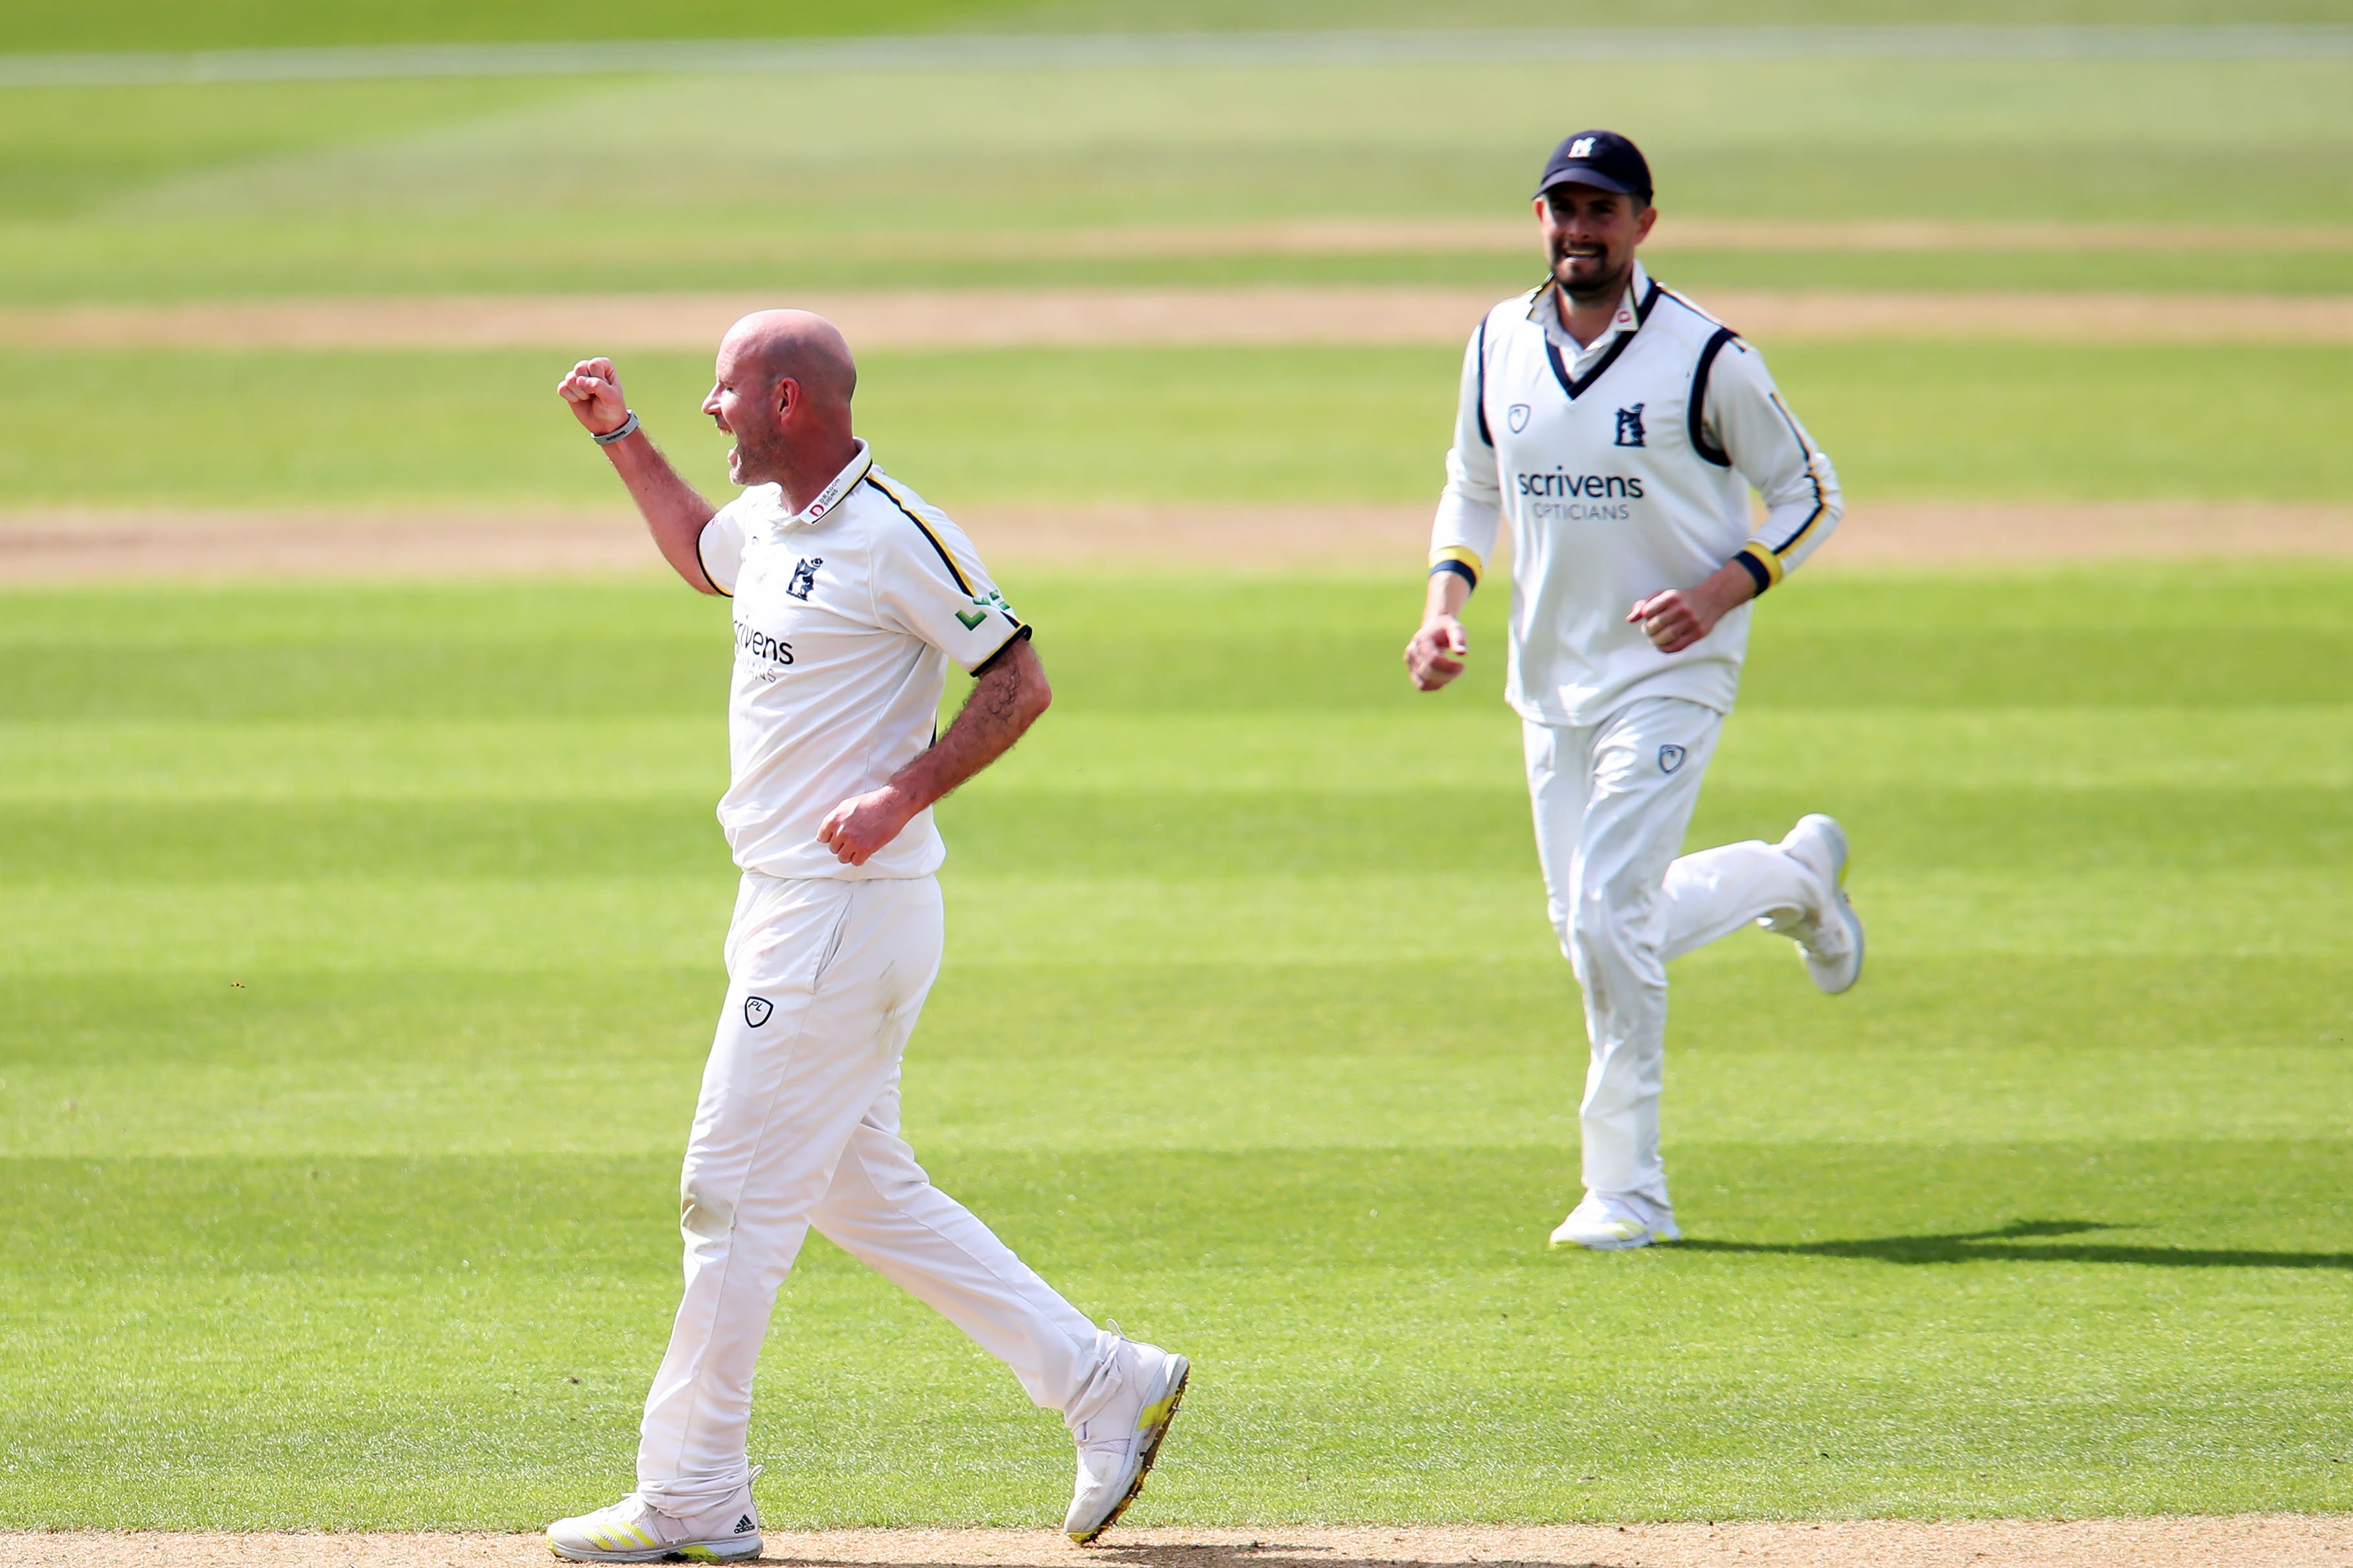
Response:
column 1758, row 560
column 1463, row 563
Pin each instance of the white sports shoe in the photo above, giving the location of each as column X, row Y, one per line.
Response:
column 1605, row 1224
column 1832, row 943
column 633, row 1531
column 1132, row 1402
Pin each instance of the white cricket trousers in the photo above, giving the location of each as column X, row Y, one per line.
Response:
column 1613, row 803
column 798, row 1126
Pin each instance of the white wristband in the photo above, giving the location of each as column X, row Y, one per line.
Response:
column 628, row 428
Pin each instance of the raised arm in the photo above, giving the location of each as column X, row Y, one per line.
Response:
column 1004, row 701
column 674, row 512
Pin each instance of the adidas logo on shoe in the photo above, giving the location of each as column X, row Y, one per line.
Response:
column 742, row 1524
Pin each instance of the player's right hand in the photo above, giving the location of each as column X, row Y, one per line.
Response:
column 1434, row 656
column 594, row 390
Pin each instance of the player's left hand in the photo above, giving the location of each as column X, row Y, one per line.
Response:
column 858, row 828
column 1677, row 618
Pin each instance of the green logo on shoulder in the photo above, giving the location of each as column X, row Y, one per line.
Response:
column 981, row 608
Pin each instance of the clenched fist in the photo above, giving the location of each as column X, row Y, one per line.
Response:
column 862, row 825
column 1680, row 617
column 1435, row 654
column 594, row 390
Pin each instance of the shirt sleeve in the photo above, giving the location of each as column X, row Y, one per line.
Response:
column 720, row 548
column 1746, row 416
column 929, row 584
column 1469, row 509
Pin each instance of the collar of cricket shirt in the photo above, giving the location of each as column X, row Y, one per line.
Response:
column 840, row 485
column 1580, row 368
column 1544, row 310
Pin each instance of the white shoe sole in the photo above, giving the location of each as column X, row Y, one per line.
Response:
column 1601, row 1244
column 1840, row 980
column 1835, row 979
column 733, row 1548
column 1156, row 1418
column 1643, row 1237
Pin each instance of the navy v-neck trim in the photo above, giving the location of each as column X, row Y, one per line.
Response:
column 1575, row 386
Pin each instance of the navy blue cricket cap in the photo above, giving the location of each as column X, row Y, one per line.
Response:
column 1602, row 159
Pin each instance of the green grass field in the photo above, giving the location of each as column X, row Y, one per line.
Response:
column 965, row 176
column 359, row 943
column 1260, row 426
column 39, row 25
column 362, row 947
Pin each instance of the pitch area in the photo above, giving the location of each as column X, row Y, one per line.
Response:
column 2276, row 1541
column 363, row 945
column 358, row 941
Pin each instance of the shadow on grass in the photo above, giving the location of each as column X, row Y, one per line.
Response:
column 2000, row 1246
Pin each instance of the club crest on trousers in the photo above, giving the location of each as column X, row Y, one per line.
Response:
column 757, row 1010
column 1671, row 758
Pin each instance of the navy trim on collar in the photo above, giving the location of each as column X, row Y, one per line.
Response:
column 1574, row 385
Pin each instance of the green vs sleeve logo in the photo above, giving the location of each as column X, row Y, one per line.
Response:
column 982, row 607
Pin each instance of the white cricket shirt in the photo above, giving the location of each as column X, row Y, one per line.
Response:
column 847, row 613
column 1623, row 466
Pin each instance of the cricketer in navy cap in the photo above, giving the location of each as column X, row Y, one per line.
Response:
column 1602, row 159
